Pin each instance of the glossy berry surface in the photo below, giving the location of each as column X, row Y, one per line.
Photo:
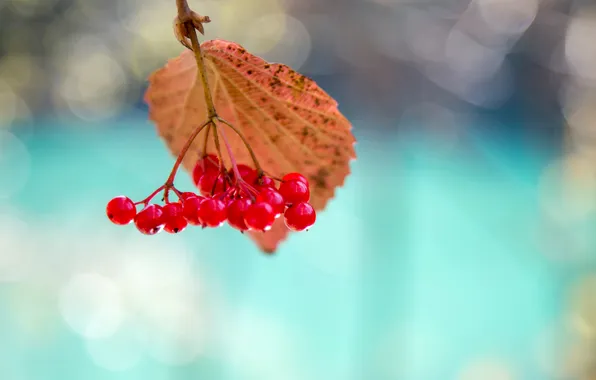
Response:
column 300, row 216
column 173, row 214
column 207, row 164
column 250, row 204
column 188, row 194
column 274, row 198
column 212, row 212
column 121, row 210
column 247, row 173
column 259, row 216
column 295, row 176
column 211, row 183
column 294, row 191
column 235, row 213
column 190, row 210
column 149, row 220
column 264, row 182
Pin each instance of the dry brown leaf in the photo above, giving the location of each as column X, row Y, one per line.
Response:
column 290, row 122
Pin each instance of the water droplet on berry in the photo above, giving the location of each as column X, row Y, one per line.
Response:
column 212, row 212
column 173, row 214
column 150, row 221
column 300, row 216
column 259, row 216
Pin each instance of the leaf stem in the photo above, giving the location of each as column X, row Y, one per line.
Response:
column 246, row 144
column 184, row 14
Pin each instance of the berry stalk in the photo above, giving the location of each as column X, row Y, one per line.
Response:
column 151, row 196
column 206, row 141
column 246, row 144
column 216, row 142
column 170, row 181
column 237, row 175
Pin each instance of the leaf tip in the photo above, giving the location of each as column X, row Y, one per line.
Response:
column 269, row 251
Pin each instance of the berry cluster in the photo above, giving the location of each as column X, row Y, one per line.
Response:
column 247, row 199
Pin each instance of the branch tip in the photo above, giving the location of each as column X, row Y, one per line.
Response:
column 187, row 19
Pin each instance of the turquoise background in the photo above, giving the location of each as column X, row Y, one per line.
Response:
column 430, row 259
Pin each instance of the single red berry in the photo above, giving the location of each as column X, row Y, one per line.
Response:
column 211, row 183
column 212, row 212
column 236, row 210
column 173, row 214
column 274, row 198
column 294, row 191
column 295, row 176
column 247, row 173
column 149, row 220
column 121, row 210
column 207, row 164
column 265, row 182
column 188, row 194
column 300, row 216
column 259, row 216
column 190, row 210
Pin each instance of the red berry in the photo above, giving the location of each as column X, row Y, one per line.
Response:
column 274, row 198
column 173, row 214
column 149, row 220
column 259, row 216
column 265, row 182
column 212, row 212
column 300, row 216
column 227, row 197
column 188, row 194
column 247, row 173
column 295, row 176
column 236, row 210
column 190, row 210
column 207, row 164
column 211, row 183
column 294, row 191
column 121, row 210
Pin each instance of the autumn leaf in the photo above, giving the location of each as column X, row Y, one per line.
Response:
column 290, row 122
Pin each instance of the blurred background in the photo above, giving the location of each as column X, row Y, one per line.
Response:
column 471, row 211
